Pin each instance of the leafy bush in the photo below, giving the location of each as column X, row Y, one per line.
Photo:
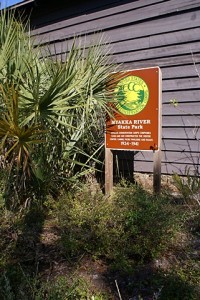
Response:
column 131, row 225
column 85, row 219
column 150, row 223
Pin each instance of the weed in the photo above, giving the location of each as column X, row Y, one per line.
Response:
column 188, row 186
column 15, row 283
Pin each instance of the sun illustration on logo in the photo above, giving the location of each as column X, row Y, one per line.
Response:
column 132, row 95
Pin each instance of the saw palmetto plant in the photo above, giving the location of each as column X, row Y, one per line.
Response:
column 16, row 139
column 51, row 112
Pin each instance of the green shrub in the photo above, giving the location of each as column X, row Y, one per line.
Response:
column 85, row 219
column 130, row 225
column 150, row 223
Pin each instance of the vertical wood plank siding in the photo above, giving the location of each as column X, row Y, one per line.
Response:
column 142, row 33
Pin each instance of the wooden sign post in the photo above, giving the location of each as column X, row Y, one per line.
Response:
column 108, row 171
column 136, row 121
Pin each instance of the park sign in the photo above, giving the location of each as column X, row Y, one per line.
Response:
column 135, row 123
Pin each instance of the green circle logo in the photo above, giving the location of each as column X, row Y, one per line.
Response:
column 132, row 95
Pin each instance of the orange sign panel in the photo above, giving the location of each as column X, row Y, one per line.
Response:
column 135, row 123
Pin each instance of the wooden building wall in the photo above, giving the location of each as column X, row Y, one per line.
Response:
column 142, row 33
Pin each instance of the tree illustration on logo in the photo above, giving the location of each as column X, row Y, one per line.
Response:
column 132, row 95
column 141, row 96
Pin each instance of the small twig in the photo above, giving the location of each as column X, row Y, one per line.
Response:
column 120, row 297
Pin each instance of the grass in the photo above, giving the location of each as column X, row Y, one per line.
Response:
column 81, row 245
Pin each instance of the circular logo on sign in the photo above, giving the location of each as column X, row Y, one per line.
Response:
column 132, row 95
